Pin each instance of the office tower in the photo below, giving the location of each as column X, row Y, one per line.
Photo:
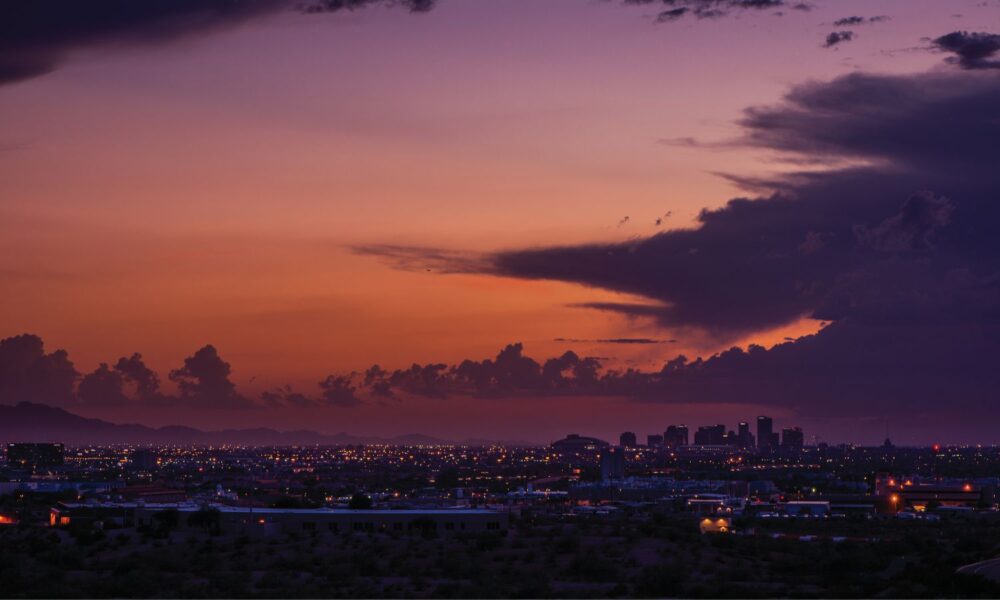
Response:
column 765, row 432
column 613, row 464
column 792, row 438
column 744, row 439
column 675, row 436
column 654, row 441
column 627, row 440
column 710, row 435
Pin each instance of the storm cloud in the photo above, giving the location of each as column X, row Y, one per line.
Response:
column 917, row 210
column 897, row 250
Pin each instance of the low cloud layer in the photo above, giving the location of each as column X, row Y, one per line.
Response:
column 30, row 374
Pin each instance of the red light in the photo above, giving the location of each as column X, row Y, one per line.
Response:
column 936, row 447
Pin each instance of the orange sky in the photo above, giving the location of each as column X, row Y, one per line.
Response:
column 208, row 191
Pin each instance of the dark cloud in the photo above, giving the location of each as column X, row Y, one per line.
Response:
column 972, row 50
column 418, row 6
column 128, row 381
column 135, row 371
column 762, row 262
column 854, row 21
column 897, row 251
column 376, row 381
column 29, row 374
column 36, row 36
column 672, row 10
column 672, row 14
column 849, row 21
column 837, row 37
column 914, row 228
column 204, row 381
column 286, row 397
column 338, row 390
column 509, row 373
column 103, row 386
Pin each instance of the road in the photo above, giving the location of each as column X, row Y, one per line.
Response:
column 989, row 569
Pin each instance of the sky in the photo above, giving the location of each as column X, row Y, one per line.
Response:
column 266, row 201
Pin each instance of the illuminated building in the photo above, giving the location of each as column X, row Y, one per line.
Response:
column 766, row 438
column 922, row 496
column 675, row 436
column 744, row 439
column 792, row 438
column 710, row 435
column 575, row 443
column 716, row 525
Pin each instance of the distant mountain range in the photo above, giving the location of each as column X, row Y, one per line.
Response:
column 29, row 422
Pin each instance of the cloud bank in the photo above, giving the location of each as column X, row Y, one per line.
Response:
column 897, row 252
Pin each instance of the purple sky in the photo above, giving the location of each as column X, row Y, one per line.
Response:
column 315, row 193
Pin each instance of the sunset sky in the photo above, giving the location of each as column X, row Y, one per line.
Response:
column 315, row 192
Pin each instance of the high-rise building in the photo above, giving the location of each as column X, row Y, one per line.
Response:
column 675, row 436
column 765, row 432
column 627, row 440
column 613, row 463
column 792, row 438
column 654, row 440
column 744, row 439
column 710, row 435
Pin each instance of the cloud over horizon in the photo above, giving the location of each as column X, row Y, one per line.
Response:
column 896, row 251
